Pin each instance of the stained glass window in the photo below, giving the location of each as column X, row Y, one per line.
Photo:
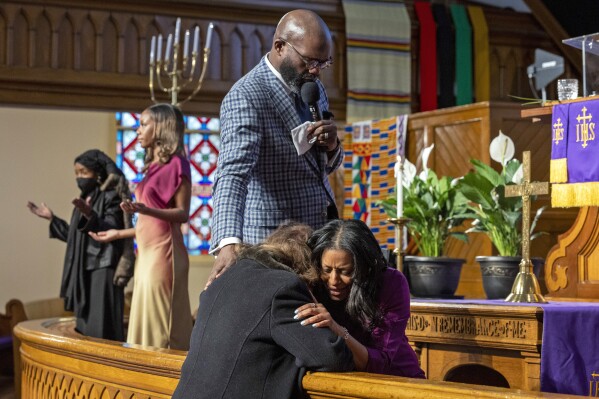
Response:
column 202, row 143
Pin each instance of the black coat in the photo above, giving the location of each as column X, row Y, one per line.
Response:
column 246, row 344
column 89, row 266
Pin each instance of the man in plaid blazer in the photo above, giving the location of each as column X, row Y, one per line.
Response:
column 261, row 180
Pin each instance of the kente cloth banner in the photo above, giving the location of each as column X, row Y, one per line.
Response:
column 569, row 345
column 371, row 149
column 582, row 157
column 558, row 171
column 378, row 59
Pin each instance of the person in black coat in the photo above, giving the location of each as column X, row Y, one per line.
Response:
column 246, row 342
column 94, row 274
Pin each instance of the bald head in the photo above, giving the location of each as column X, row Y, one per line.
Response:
column 301, row 47
column 303, row 25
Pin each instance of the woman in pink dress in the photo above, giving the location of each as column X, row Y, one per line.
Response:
column 160, row 311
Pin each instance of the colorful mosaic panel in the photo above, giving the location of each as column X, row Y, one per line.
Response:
column 202, row 143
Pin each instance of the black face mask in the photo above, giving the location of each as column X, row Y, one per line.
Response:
column 86, row 184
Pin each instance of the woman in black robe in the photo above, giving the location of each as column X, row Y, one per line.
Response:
column 94, row 274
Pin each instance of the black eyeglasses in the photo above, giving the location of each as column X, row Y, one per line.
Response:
column 310, row 63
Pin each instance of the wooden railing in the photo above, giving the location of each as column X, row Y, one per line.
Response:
column 59, row 363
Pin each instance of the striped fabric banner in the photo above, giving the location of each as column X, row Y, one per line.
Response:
column 428, row 56
column 445, row 56
column 378, row 59
column 463, row 54
column 370, row 155
column 482, row 69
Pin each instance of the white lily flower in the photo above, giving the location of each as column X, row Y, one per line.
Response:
column 455, row 181
column 425, row 155
column 502, row 149
column 494, row 195
column 518, row 176
column 409, row 173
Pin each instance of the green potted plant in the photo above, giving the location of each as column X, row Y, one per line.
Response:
column 498, row 216
column 434, row 207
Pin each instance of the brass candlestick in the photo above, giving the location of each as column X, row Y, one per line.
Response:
column 181, row 74
column 398, row 251
column 526, row 287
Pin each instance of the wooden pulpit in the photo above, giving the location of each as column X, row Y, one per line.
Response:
column 571, row 267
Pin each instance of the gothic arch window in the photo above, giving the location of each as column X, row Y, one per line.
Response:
column 236, row 54
column 21, row 30
column 214, row 71
column 65, row 43
column 202, row 144
column 43, row 41
column 254, row 51
column 2, row 39
column 132, row 45
column 87, row 52
column 110, row 46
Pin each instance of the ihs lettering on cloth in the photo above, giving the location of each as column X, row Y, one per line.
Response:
column 526, row 287
column 558, row 131
column 585, row 128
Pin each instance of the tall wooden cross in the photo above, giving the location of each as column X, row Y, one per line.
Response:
column 526, row 286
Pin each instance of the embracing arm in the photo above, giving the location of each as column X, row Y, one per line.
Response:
column 318, row 316
column 314, row 348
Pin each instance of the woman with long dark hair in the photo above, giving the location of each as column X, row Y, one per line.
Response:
column 160, row 311
column 361, row 299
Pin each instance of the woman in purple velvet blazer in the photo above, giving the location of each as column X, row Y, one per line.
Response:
column 361, row 299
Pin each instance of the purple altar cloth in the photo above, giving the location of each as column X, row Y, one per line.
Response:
column 570, row 348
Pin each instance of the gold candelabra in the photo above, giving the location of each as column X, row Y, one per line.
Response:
column 181, row 74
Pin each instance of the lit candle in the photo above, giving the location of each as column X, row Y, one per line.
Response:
column 159, row 51
column 186, row 44
column 196, row 40
column 209, row 35
column 152, row 49
column 177, row 30
column 169, row 44
column 399, row 186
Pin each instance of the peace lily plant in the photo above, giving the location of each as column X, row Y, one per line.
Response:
column 433, row 205
column 492, row 212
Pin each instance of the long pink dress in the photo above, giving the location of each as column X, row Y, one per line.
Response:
column 160, row 311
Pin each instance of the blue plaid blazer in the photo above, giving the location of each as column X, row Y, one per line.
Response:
column 260, row 180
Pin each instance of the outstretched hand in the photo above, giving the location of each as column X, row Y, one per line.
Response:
column 133, row 207
column 105, row 236
column 226, row 257
column 42, row 211
column 85, row 207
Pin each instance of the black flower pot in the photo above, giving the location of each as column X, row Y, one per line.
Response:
column 499, row 273
column 433, row 277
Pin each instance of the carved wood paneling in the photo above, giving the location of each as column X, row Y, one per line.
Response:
column 90, row 54
column 60, row 39
column 59, row 363
column 572, row 263
column 504, row 339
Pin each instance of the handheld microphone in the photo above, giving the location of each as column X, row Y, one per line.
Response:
column 311, row 95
